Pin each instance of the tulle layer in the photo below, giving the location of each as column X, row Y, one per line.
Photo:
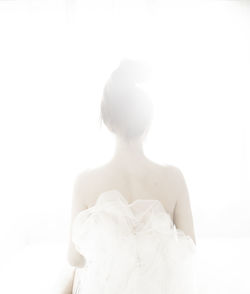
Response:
column 132, row 249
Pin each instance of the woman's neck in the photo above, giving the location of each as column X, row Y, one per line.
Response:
column 128, row 154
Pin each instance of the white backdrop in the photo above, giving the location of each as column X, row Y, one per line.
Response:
column 54, row 59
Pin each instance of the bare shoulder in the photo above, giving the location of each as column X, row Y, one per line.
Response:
column 175, row 174
column 82, row 187
column 172, row 170
column 170, row 173
column 87, row 184
column 176, row 182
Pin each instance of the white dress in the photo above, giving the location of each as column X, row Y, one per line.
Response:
column 132, row 249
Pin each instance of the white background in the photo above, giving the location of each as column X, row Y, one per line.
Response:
column 54, row 59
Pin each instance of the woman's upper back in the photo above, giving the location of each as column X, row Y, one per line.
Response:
column 149, row 181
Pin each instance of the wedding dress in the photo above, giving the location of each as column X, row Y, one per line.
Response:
column 132, row 249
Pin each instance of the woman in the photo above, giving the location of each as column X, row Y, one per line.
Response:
column 132, row 228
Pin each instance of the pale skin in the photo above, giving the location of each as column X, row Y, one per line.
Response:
column 134, row 175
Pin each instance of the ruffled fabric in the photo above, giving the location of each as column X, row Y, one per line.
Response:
column 132, row 249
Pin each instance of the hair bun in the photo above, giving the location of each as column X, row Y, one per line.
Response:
column 126, row 108
column 132, row 71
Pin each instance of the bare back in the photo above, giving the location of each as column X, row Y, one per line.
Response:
column 149, row 181
column 145, row 181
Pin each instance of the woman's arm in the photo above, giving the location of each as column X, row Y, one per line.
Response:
column 183, row 218
column 68, row 284
column 75, row 259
